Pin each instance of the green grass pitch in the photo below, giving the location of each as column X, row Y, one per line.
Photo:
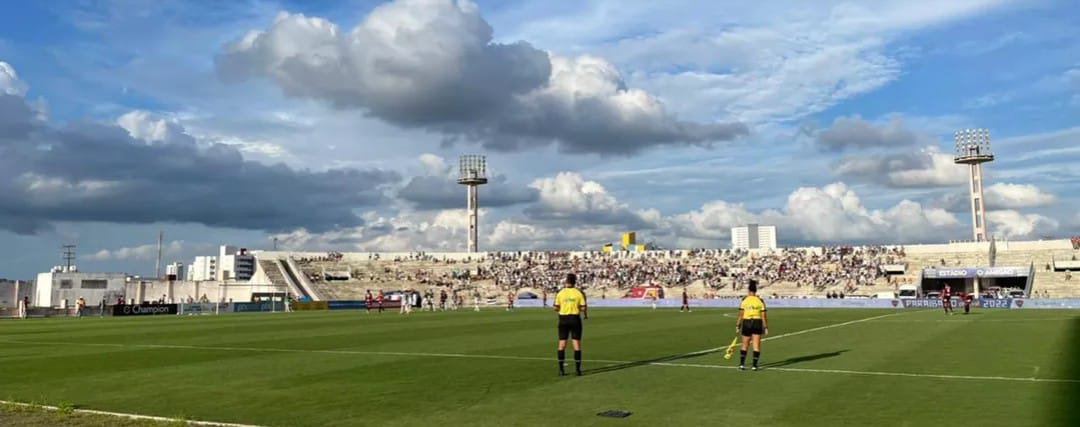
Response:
column 822, row 367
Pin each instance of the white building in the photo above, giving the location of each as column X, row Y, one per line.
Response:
column 235, row 264
column 175, row 271
column 56, row 286
column 753, row 236
column 204, row 268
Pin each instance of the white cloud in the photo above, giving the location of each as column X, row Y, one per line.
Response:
column 9, row 81
column 582, row 214
column 151, row 128
column 432, row 64
column 758, row 62
column 1011, row 224
column 1013, row 196
column 568, row 198
column 138, row 253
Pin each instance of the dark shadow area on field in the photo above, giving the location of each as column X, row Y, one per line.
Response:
column 1069, row 396
column 637, row 363
column 801, row 359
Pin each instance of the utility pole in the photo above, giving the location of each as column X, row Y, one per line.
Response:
column 69, row 257
column 157, row 265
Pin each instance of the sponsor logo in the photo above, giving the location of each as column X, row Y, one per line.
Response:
column 895, row 302
column 144, row 309
column 1019, row 303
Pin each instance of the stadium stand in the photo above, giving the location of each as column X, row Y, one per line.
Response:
column 790, row 273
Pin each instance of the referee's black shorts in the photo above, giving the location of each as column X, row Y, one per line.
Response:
column 751, row 327
column 569, row 327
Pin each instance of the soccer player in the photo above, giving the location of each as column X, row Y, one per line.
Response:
column 442, row 300
column 509, row 301
column 653, row 298
column 685, row 302
column 946, row 299
column 752, row 324
column 570, row 304
column 24, row 307
column 369, row 302
column 379, row 300
column 476, row 300
column 967, row 302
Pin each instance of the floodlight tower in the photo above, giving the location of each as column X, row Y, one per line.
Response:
column 973, row 149
column 472, row 173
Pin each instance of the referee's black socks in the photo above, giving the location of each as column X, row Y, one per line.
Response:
column 742, row 357
column 577, row 361
column 562, row 360
column 757, row 355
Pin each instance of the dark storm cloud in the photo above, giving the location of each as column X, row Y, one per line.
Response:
column 435, row 192
column 432, row 64
column 97, row 172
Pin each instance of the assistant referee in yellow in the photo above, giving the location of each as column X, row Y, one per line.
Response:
column 752, row 324
column 571, row 306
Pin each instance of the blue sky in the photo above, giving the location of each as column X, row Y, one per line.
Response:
column 832, row 121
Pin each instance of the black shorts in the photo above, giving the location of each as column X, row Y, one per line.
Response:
column 569, row 327
column 752, row 327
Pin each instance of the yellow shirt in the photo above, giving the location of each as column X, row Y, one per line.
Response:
column 570, row 301
column 752, row 307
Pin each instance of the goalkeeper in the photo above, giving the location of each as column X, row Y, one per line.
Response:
column 752, row 324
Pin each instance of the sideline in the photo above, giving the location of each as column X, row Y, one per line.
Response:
column 130, row 416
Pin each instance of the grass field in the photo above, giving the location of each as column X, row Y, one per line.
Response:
column 822, row 367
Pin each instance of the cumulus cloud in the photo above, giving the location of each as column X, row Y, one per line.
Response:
column 444, row 230
column 568, row 198
column 573, row 214
column 432, row 64
column 831, row 214
column 104, row 172
column 147, row 127
column 855, row 133
column 438, row 188
column 1011, row 224
column 9, row 81
column 930, row 167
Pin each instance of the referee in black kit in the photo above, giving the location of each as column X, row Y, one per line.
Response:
column 570, row 304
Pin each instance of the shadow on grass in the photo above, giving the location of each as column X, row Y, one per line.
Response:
column 801, row 359
column 637, row 363
column 1069, row 395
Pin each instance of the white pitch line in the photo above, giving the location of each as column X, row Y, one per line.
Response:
column 883, row 374
column 804, row 331
column 129, row 416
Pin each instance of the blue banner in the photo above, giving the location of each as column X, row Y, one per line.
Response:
column 346, row 305
column 248, row 307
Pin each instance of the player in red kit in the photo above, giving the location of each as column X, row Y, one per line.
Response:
column 379, row 300
column 946, row 299
column 685, row 302
column 369, row 301
column 967, row 298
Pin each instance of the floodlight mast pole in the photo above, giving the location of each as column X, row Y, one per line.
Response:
column 472, row 173
column 973, row 149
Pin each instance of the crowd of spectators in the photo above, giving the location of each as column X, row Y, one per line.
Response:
column 1076, row 243
column 839, row 268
